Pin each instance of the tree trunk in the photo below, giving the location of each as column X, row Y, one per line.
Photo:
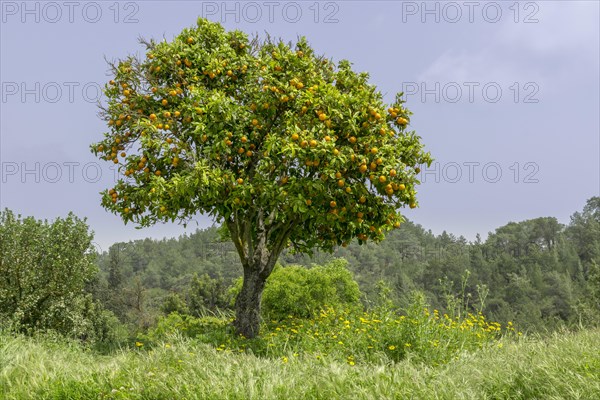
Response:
column 247, row 304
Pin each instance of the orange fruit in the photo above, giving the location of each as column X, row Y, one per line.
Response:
column 332, row 204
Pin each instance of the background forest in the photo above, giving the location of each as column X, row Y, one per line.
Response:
column 538, row 274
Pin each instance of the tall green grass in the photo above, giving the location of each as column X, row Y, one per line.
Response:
column 564, row 366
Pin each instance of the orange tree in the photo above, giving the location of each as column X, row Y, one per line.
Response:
column 280, row 145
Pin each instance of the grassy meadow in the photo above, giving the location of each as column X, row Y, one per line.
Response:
column 561, row 366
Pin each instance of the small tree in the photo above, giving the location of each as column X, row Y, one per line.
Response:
column 281, row 145
column 44, row 268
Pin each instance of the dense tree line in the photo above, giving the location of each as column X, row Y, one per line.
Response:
column 538, row 273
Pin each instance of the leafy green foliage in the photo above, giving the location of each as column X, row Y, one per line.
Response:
column 300, row 292
column 44, row 269
column 208, row 294
column 213, row 122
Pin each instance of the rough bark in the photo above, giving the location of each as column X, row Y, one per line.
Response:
column 247, row 304
column 259, row 244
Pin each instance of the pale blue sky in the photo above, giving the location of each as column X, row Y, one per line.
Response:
column 494, row 86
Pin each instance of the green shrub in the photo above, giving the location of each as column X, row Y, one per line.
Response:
column 300, row 292
column 176, row 324
column 44, row 268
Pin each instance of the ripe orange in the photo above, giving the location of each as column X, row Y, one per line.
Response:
column 254, row 122
column 401, row 186
column 322, row 117
column 362, row 199
column 332, row 204
column 190, row 40
column 382, row 179
column 249, row 153
column 240, row 181
column 348, row 189
column 244, row 139
column 392, row 173
column 401, row 121
column 241, row 150
column 340, row 183
column 295, row 136
column 308, row 202
column 164, row 102
column 363, row 168
column 313, row 143
column 413, row 205
column 157, row 173
column 352, row 139
column 338, row 175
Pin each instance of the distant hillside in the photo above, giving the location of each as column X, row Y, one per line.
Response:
column 537, row 273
